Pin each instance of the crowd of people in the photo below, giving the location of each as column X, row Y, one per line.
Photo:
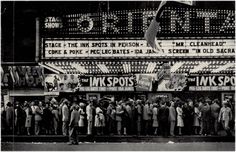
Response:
column 125, row 117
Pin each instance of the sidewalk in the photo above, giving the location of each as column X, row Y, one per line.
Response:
column 116, row 138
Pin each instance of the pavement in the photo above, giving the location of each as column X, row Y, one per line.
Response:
column 168, row 146
column 116, row 138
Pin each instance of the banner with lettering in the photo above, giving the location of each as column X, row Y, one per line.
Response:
column 72, row 83
column 56, row 48
column 22, row 76
column 211, row 83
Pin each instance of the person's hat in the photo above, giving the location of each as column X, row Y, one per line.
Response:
column 207, row 100
column 224, row 102
column 81, row 104
column 154, row 104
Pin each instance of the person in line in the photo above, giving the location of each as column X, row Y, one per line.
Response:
column 163, row 118
column 215, row 109
column 55, row 117
column 81, row 118
column 47, row 119
column 73, row 126
column 225, row 116
column 19, row 118
column 172, row 118
column 89, row 112
column 205, row 116
column 3, row 118
column 180, row 122
column 99, row 121
column 188, row 111
column 147, row 117
column 129, row 113
column 155, row 123
column 119, row 113
column 196, row 119
column 65, row 117
column 28, row 120
column 111, row 119
column 38, row 117
column 139, row 116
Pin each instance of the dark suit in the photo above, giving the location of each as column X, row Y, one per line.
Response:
column 73, row 132
column 163, row 120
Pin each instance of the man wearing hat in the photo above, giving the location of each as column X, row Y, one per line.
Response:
column 119, row 113
column 205, row 114
column 139, row 116
column 89, row 112
column 111, row 120
column 74, row 121
column 225, row 116
column 65, row 117
column 215, row 109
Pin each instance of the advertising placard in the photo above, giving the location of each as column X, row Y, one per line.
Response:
column 22, row 76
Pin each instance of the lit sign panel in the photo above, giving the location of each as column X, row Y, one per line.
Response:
column 211, row 83
column 57, row 48
column 175, row 22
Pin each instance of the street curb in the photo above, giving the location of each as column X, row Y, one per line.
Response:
column 85, row 138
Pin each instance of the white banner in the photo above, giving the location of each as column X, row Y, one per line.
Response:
column 55, row 48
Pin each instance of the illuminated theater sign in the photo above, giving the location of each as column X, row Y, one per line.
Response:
column 211, row 83
column 175, row 22
column 57, row 48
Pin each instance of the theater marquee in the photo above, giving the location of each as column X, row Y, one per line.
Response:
column 76, row 48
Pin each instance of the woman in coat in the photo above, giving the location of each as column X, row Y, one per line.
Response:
column 154, row 118
column 81, row 118
column 28, row 120
column 196, row 118
column 119, row 113
column 55, row 116
column 180, row 122
column 99, row 121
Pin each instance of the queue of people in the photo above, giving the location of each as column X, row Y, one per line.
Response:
column 125, row 117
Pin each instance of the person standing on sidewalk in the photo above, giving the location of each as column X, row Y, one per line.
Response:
column 119, row 113
column 172, row 118
column 65, row 117
column 215, row 109
column 180, row 122
column 38, row 117
column 196, row 119
column 155, row 123
column 147, row 117
column 111, row 119
column 55, row 115
column 163, row 118
column 81, row 118
column 28, row 121
column 225, row 117
column 205, row 115
column 89, row 112
column 139, row 116
column 73, row 126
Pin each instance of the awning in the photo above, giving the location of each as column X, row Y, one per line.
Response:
column 142, row 66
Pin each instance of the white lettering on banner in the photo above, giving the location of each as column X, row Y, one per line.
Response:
column 75, row 48
column 111, row 81
column 215, row 81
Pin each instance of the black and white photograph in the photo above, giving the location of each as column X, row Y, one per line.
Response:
column 155, row 75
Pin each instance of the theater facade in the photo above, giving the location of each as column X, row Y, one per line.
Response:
column 91, row 55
